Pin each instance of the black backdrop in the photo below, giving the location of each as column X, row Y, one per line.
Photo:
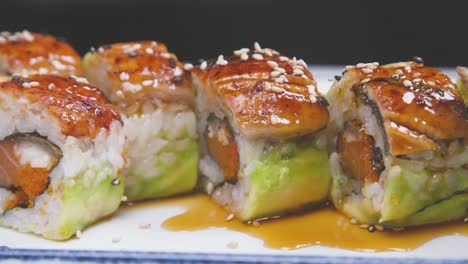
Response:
column 322, row 32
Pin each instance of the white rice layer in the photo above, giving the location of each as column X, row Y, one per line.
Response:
column 82, row 157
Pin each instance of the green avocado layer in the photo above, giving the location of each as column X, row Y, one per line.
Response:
column 463, row 90
column 289, row 178
column 410, row 198
column 84, row 204
column 174, row 177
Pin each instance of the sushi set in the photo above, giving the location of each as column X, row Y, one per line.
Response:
column 249, row 133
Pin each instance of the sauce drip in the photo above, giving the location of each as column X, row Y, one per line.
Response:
column 326, row 227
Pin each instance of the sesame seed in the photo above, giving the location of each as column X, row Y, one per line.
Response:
column 257, row 46
column 364, row 226
column 255, row 223
column 301, row 61
column 78, row 234
column 279, row 69
column 267, row 86
column 281, row 79
column 408, row 68
column 124, row 198
column 203, row 65
column 244, row 57
column 116, row 239
column 380, row 228
column 230, row 217
column 178, row 72
column 367, row 70
column 144, row 226
column 418, row 80
column 349, row 67
column 417, row 75
column 399, row 72
column 115, row 181
column 297, row 72
column 154, row 43
column 149, row 50
column 188, row 66
column 418, row 60
column 119, row 94
column 34, row 84
column 221, row 60
column 241, row 51
column 353, row 221
column 407, row 83
column 465, row 220
column 272, row 64
column 337, row 77
column 147, row 82
column 275, row 73
column 313, row 98
column 273, row 120
column 371, row 228
column 51, row 86
column 165, row 55
column 267, row 52
column 257, row 56
column 366, row 80
column 431, row 83
column 408, row 97
column 2, row 40
column 360, row 65
column 131, row 54
column 124, row 76
column 277, row 89
column 283, row 58
column 80, row 79
column 209, row 188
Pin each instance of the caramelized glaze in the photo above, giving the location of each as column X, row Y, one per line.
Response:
column 324, row 227
column 260, row 103
column 38, row 53
column 80, row 109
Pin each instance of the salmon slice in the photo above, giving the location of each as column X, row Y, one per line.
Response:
column 223, row 148
column 358, row 154
column 25, row 181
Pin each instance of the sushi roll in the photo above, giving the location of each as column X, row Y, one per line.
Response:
column 399, row 145
column 61, row 155
column 155, row 97
column 462, row 82
column 25, row 53
column 260, row 123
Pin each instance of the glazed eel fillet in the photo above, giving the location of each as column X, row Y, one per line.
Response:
column 260, row 117
column 399, row 145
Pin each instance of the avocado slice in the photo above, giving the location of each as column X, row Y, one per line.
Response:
column 463, row 90
column 174, row 177
column 289, row 178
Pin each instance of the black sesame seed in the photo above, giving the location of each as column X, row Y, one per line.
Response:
column 418, row 60
column 337, row 77
column 371, row 228
column 132, row 54
column 15, row 78
column 177, row 79
column 321, row 100
column 115, row 181
column 172, row 62
column 343, row 72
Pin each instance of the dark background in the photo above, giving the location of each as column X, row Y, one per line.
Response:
column 321, row 32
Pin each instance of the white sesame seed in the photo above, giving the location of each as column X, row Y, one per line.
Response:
column 154, row 43
column 80, row 79
column 399, row 72
column 27, row 35
column 367, row 70
column 349, row 67
column 221, row 60
column 144, row 225
column 43, row 70
column 267, row 86
column 407, row 83
column 408, row 68
column 124, row 76
column 417, row 75
column 166, row 55
column 257, row 56
column 120, row 94
column 283, row 58
column 131, row 87
column 353, row 221
column 124, row 198
column 178, row 71
column 366, row 80
column 313, row 98
column 364, row 226
column 203, row 65
column 34, row 84
column 431, row 83
column 360, row 65
column 281, row 79
column 275, row 73
column 100, row 49
column 279, row 69
column 257, row 46
column 267, row 52
column 273, row 120
column 230, row 217
column 297, row 66
column 408, row 97
column 188, row 66
column 209, row 188
column 78, row 234
column 272, row 64
column 304, row 76
column 51, row 86
column 298, row 72
column 301, row 61
column 149, row 50
column 26, row 85
column 418, row 80
column 241, row 51
column 277, row 89
column 244, row 57
column 147, row 82
column 2, row 40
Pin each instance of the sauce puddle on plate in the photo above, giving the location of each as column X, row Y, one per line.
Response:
column 325, row 227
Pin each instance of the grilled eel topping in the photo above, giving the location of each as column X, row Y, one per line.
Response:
column 26, row 161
